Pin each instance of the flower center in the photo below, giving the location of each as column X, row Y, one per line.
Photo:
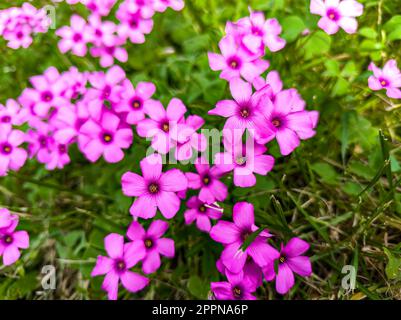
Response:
column 202, row 208
column 8, row 239
column 77, row 37
column 6, row 119
column 120, row 265
column 276, row 122
column 206, row 180
column 134, row 23
column 62, row 148
column 256, row 31
column 153, row 188
column 136, row 104
column 110, row 50
column 43, row 142
column 98, row 32
column 107, row 137
column 7, row 149
column 106, row 92
column 240, row 160
column 47, row 96
column 384, row 82
column 165, row 127
column 148, row 243
column 282, row 259
column 234, row 63
column 332, row 14
column 245, row 235
column 245, row 113
column 237, row 292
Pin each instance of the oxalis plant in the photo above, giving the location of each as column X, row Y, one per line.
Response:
column 170, row 149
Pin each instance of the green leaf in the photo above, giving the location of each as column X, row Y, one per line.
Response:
column 340, row 88
column 197, row 287
column 352, row 188
column 292, row 26
column 332, row 68
column 279, row 209
column 326, row 172
column 368, row 33
column 393, row 267
column 395, row 35
column 393, row 23
column 317, row 44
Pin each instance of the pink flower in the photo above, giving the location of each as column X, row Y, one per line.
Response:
column 201, row 212
column 291, row 261
column 273, row 81
column 122, row 257
column 144, row 7
column 133, row 24
column 74, row 38
column 251, row 272
column 273, row 85
column 46, row 92
column 235, row 61
column 155, row 189
column 107, row 86
column 107, row 44
column 207, row 180
column 17, row 24
column 336, row 14
column 101, row 32
column 10, row 240
column 244, row 112
column 58, row 157
column 12, row 114
column 151, row 244
column 12, row 157
column 237, row 287
column 5, row 218
column 105, row 137
column 255, row 33
column 388, row 78
column 40, row 141
column 100, row 7
column 68, row 122
column 288, row 124
column 233, row 235
column 188, row 139
column 135, row 101
column 76, row 83
column 243, row 159
column 162, row 125
column 108, row 53
column 162, row 5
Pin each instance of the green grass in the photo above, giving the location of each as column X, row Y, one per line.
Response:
column 340, row 190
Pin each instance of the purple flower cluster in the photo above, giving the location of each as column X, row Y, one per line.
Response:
column 98, row 111
column 245, row 268
column 259, row 106
column 105, row 38
column 17, row 24
column 144, row 246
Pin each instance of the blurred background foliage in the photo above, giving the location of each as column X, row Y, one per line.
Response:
column 340, row 190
